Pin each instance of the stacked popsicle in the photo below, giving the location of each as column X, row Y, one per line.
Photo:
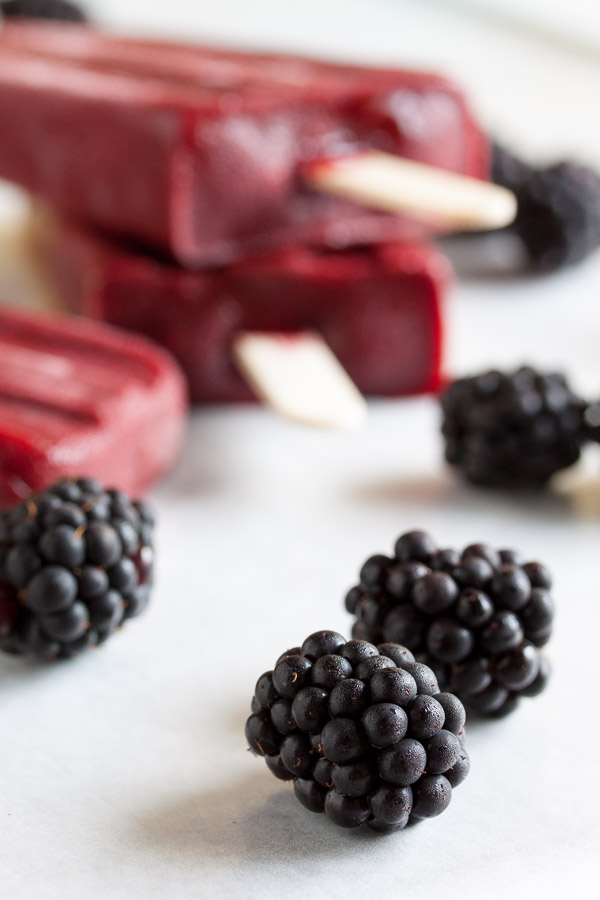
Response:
column 378, row 308
column 206, row 190
column 214, row 173
column 203, row 153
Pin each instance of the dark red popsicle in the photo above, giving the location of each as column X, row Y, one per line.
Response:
column 81, row 398
column 379, row 308
column 200, row 152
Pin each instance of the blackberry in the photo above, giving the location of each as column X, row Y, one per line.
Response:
column 512, row 430
column 69, row 579
column 476, row 630
column 558, row 209
column 377, row 744
column 58, row 10
column 591, row 419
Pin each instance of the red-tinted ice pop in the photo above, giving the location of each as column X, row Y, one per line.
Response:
column 379, row 308
column 82, row 398
column 210, row 155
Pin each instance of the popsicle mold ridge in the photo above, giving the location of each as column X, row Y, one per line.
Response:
column 82, row 398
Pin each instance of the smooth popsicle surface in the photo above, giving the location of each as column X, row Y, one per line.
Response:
column 379, row 309
column 83, row 399
column 212, row 144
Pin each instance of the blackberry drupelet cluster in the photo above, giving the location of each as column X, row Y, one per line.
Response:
column 58, row 10
column 477, row 618
column 558, row 209
column 512, row 429
column 363, row 731
column 76, row 562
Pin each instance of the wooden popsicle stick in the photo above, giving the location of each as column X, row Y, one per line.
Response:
column 397, row 185
column 300, row 378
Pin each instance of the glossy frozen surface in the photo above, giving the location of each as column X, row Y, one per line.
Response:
column 78, row 398
column 380, row 309
column 212, row 143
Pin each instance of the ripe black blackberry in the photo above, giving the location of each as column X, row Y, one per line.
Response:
column 76, row 562
column 512, row 430
column 363, row 732
column 58, row 10
column 477, row 618
column 558, row 209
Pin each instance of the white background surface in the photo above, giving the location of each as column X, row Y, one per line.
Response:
column 576, row 22
column 123, row 775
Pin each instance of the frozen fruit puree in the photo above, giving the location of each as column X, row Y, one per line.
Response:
column 379, row 308
column 200, row 152
column 80, row 397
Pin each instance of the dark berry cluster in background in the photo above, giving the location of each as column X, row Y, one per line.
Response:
column 558, row 209
column 76, row 562
column 513, row 429
column 477, row 618
column 59, row 10
column 363, row 731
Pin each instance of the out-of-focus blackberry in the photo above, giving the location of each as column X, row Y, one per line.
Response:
column 363, row 732
column 509, row 170
column 558, row 209
column 591, row 422
column 512, row 429
column 477, row 619
column 76, row 562
column 58, row 10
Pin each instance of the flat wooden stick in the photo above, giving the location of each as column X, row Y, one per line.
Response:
column 394, row 184
column 300, row 378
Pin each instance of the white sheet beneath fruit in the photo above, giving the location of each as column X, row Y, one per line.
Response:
column 124, row 776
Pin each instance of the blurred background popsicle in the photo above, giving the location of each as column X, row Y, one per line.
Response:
column 379, row 308
column 83, row 398
column 214, row 146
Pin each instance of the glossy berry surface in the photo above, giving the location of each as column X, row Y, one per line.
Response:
column 374, row 743
column 475, row 622
column 512, row 430
column 76, row 561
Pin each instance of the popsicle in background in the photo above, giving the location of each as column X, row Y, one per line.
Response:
column 82, row 398
column 378, row 308
column 210, row 155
